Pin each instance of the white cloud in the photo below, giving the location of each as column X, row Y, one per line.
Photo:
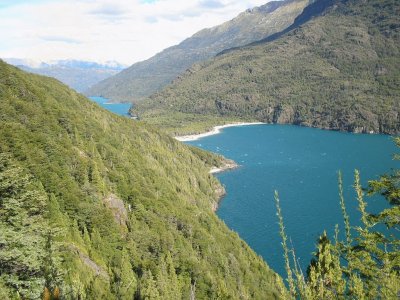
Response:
column 123, row 30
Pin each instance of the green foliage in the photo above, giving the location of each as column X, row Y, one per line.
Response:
column 149, row 288
column 23, row 231
column 144, row 78
column 284, row 245
column 337, row 71
column 389, row 187
column 124, row 281
column 324, row 275
column 102, row 207
column 364, row 267
column 176, row 123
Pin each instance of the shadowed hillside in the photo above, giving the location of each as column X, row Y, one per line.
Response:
column 144, row 78
column 339, row 70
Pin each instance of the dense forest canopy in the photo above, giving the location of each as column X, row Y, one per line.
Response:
column 337, row 68
column 98, row 206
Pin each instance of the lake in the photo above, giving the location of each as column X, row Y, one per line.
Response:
column 117, row 108
column 302, row 164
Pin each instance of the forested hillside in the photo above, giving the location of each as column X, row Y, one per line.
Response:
column 337, row 70
column 97, row 206
column 144, row 78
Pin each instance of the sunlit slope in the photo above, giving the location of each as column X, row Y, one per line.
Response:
column 102, row 207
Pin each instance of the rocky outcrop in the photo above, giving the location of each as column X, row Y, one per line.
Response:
column 117, row 208
column 97, row 270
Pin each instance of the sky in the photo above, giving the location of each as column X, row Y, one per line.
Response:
column 126, row 31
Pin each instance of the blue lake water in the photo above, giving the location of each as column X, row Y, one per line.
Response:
column 117, row 108
column 302, row 164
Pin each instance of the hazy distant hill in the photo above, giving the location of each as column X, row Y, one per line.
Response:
column 146, row 77
column 79, row 75
column 337, row 68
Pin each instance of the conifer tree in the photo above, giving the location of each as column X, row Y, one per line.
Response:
column 86, row 238
column 372, row 256
column 95, row 178
column 174, row 284
column 50, row 267
column 292, row 288
column 148, row 287
column 124, row 279
column 324, row 273
column 22, row 230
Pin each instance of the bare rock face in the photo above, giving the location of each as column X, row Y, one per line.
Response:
column 283, row 115
column 220, row 192
column 98, row 270
column 117, row 207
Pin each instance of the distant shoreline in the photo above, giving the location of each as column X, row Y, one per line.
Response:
column 229, row 165
column 214, row 131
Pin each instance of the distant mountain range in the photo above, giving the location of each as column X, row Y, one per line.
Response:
column 144, row 78
column 336, row 67
column 79, row 75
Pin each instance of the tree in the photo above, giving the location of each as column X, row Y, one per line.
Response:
column 324, row 274
column 148, row 287
column 124, row 279
column 372, row 270
column 23, row 230
column 388, row 186
column 51, row 269
column 167, row 280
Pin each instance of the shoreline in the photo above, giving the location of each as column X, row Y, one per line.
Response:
column 230, row 165
column 220, row 192
column 214, row 131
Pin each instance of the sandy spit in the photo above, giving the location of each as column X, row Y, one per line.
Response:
column 215, row 130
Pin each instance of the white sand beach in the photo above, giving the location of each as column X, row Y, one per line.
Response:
column 228, row 166
column 215, row 130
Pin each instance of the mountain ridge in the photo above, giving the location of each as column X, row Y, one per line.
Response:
column 77, row 74
column 146, row 77
column 339, row 70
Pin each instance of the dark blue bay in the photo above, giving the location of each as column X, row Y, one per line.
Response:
column 302, row 164
column 117, row 108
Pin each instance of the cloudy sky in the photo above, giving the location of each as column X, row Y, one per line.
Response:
column 126, row 31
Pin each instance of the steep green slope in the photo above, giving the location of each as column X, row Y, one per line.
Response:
column 340, row 70
column 144, row 78
column 96, row 206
